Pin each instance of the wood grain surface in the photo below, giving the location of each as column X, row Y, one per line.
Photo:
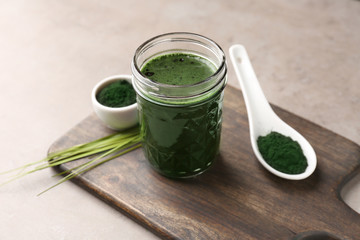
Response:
column 237, row 198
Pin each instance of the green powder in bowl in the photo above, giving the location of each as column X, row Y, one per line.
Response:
column 117, row 94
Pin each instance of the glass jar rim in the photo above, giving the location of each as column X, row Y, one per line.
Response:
column 150, row 42
column 154, row 89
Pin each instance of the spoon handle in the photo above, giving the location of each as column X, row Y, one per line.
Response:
column 257, row 106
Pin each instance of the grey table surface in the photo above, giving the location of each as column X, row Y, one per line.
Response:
column 306, row 55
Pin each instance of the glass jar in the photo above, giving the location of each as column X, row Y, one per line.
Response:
column 180, row 124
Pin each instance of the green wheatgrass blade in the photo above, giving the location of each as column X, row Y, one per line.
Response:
column 69, row 157
column 103, row 149
column 84, row 150
column 87, row 148
column 85, row 167
column 94, row 144
column 108, row 144
column 112, row 157
column 122, row 146
column 79, row 148
column 75, row 156
column 103, row 142
column 21, row 168
column 13, row 179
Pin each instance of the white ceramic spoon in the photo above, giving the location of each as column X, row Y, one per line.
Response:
column 262, row 119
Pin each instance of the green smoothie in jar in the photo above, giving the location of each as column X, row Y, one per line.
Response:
column 178, row 69
column 180, row 109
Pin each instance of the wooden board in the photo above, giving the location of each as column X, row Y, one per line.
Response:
column 237, row 198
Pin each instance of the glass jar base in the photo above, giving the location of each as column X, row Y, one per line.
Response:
column 183, row 175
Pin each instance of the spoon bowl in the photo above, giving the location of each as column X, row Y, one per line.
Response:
column 262, row 119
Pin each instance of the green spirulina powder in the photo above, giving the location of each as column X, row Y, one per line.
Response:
column 117, row 94
column 282, row 153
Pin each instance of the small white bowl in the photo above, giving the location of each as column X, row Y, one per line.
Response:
column 115, row 118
